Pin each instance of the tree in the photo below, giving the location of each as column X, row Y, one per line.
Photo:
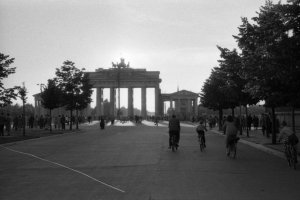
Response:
column 75, row 87
column 51, row 97
column 83, row 98
column 214, row 93
column 6, row 94
column 268, row 54
column 232, row 66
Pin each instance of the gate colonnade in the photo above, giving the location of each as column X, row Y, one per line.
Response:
column 122, row 76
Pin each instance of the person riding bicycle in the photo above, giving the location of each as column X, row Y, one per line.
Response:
column 231, row 131
column 174, row 129
column 201, row 129
column 288, row 137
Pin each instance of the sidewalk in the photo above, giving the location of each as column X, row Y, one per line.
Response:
column 257, row 140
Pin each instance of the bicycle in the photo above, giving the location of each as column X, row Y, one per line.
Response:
column 232, row 147
column 201, row 142
column 291, row 154
column 174, row 144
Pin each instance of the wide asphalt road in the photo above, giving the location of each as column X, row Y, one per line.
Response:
column 135, row 163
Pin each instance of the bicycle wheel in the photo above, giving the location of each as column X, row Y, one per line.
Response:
column 234, row 150
column 293, row 157
column 173, row 143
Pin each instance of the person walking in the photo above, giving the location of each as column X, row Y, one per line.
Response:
column 63, row 122
column 102, row 123
column 2, row 123
column 8, row 124
column 174, row 129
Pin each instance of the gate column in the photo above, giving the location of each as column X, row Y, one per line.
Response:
column 130, row 103
column 112, row 101
column 99, row 93
column 157, row 101
column 144, row 103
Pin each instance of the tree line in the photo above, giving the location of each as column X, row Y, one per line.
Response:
column 70, row 88
column 264, row 68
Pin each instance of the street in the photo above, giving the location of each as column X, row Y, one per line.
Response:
column 134, row 162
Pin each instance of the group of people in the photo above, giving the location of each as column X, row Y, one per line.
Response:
column 230, row 128
column 5, row 123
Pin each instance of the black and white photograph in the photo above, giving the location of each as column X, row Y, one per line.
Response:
column 149, row 99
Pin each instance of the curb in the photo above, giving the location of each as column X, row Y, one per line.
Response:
column 259, row 146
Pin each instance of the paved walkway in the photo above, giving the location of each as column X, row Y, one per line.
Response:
column 258, row 140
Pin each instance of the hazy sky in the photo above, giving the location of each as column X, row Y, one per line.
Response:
column 176, row 37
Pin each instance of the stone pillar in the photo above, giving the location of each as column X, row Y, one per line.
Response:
column 177, row 102
column 112, row 101
column 157, row 101
column 144, row 103
column 171, row 103
column 99, row 93
column 130, row 103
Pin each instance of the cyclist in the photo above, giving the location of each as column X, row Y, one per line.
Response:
column 201, row 129
column 231, row 131
column 288, row 137
column 174, row 129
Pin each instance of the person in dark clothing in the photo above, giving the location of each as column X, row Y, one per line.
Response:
column 174, row 129
column 2, row 123
column 102, row 123
column 63, row 122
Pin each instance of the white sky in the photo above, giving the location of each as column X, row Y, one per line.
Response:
column 176, row 37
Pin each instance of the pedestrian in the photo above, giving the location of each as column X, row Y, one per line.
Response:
column 2, row 123
column 249, row 122
column 56, row 122
column 59, row 122
column 8, row 124
column 102, row 123
column 174, row 129
column 63, row 122
column 31, row 121
column 15, row 123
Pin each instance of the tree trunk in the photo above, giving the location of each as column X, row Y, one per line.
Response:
column 76, row 119
column 247, row 120
column 240, row 119
column 50, row 121
column 24, row 122
column 71, row 116
column 273, row 126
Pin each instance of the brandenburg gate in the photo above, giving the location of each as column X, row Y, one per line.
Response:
column 122, row 76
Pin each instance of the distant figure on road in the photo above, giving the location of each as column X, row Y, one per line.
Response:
column 102, row 123
column 174, row 129
column 231, row 131
column 201, row 129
